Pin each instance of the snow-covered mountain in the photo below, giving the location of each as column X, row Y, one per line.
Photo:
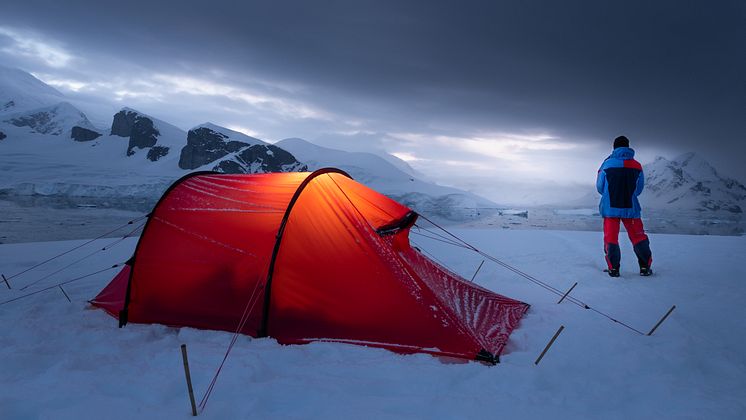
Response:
column 689, row 182
column 157, row 138
column 381, row 175
column 59, row 119
column 49, row 147
column 20, row 91
column 686, row 183
column 211, row 147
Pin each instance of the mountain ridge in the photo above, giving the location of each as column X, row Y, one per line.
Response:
column 98, row 163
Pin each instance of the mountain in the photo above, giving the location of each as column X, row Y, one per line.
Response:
column 20, row 91
column 157, row 137
column 378, row 173
column 211, row 147
column 685, row 183
column 689, row 182
column 55, row 120
column 49, row 147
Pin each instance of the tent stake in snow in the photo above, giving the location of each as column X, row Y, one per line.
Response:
column 188, row 379
column 5, row 280
column 562, row 327
column 662, row 319
column 567, row 293
column 477, row 272
column 63, row 292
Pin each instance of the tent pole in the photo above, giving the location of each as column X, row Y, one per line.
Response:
column 64, row 293
column 662, row 319
column 188, row 379
column 562, row 327
column 567, row 293
column 477, row 272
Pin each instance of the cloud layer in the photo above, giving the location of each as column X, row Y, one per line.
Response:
column 464, row 90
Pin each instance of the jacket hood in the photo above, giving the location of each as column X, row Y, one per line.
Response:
column 623, row 153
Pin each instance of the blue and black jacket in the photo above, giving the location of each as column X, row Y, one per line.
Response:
column 620, row 180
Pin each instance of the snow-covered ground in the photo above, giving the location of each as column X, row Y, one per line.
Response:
column 61, row 360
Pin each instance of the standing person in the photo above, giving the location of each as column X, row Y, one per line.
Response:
column 620, row 180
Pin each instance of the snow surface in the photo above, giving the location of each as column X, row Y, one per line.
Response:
column 59, row 166
column 63, row 360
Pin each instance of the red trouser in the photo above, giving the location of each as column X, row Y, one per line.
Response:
column 637, row 235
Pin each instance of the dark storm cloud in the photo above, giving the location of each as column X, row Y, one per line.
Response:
column 670, row 74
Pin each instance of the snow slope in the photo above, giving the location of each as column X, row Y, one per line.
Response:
column 62, row 360
column 20, row 91
column 231, row 135
column 55, row 120
column 378, row 173
column 59, row 166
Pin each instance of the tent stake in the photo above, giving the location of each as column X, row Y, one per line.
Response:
column 567, row 293
column 478, row 268
column 662, row 319
column 188, row 378
column 63, row 292
column 5, row 280
column 562, row 327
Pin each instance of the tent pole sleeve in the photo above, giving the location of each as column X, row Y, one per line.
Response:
column 124, row 313
column 264, row 329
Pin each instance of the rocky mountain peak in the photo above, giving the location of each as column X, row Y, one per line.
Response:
column 141, row 131
column 234, row 152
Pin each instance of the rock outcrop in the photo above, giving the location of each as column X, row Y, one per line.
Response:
column 2, row 136
column 205, row 145
column 260, row 158
column 139, row 128
column 233, row 152
column 157, row 152
column 83, row 134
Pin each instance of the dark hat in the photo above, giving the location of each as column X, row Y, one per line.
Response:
column 621, row 141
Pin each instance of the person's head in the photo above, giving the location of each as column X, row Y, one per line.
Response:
column 621, row 141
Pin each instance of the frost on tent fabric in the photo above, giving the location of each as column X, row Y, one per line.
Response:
column 302, row 257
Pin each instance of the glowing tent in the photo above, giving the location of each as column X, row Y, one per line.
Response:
column 302, row 257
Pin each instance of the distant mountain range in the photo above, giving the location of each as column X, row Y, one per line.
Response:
column 685, row 183
column 690, row 182
column 49, row 147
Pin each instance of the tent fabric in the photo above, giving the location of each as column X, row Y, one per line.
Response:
column 302, row 257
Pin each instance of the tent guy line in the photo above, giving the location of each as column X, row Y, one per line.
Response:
column 78, row 247
column 465, row 245
column 534, row 280
column 234, row 338
column 105, row 248
column 60, row 284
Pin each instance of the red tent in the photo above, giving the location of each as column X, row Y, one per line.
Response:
column 302, row 257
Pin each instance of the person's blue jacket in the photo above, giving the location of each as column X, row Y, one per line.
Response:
column 620, row 180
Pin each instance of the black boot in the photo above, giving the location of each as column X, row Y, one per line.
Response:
column 646, row 271
column 613, row 272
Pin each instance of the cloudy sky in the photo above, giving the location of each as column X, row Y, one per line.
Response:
column 511, row 99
